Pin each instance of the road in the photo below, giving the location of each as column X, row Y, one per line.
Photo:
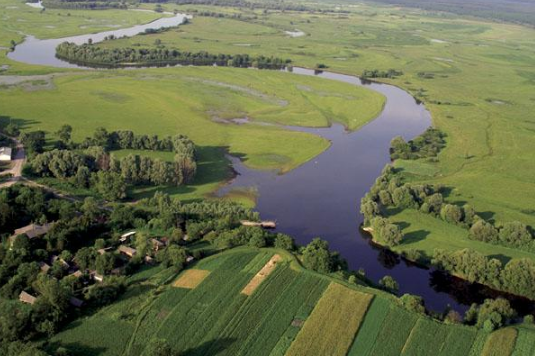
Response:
column 17, row 163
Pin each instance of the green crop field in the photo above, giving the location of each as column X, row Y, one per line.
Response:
column 500, row 343
column 340, row 311
column 291, row 312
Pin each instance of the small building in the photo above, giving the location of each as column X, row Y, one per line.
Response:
column 33, row 230
column 77, row 274
column 44, row 267
column 27, row 298
column 190, row 259
column 157, row 244
column 64, row 264
column 96, row 276
column 128, row 251
column 75, row 302
column 102, row 251
column 127, row 236
column 5, row 154
column 148, row 260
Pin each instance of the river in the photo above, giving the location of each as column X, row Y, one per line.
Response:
column 321, row 197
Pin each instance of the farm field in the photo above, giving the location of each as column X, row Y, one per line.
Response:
column 279, row 318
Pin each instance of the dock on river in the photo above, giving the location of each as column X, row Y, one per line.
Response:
column 263, row 224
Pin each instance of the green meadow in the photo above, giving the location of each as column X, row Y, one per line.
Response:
column 479, row 86
column 288, row 312
column 201, row 103
column 18, row 20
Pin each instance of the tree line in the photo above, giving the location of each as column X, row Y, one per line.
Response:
column 84, row 4
column 377, row 73
column 88, row 54
column 389, row 192
column 426, row 145
column 91, row 165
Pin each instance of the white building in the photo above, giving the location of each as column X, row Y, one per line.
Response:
column 5, row 154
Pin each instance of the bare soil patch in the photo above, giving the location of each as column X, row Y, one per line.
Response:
column 261, row 275
column 191, row 278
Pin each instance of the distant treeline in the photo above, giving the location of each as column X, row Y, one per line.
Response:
column 426, row 145
column 376, row 73
column 518, row 11
column 88, row 54
column 84, row 4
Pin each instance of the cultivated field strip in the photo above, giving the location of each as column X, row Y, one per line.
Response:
column 370, row 328
column 500, row 343
column 332, row 326
column 525, row 344
column 264, row 273
column 191, row 278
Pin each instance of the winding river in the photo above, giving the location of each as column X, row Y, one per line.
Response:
column 321, row 197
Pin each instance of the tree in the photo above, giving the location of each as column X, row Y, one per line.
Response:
column 172, row 256
column 389, row 234
column 451, row 214
column 412, row 303
column 105, row 263
column 110, row 185
column 82, row 177
column 33, row 142
column 483, row 231
column 85, row 258
column 389, row 283
column 317, row 257
column 515, row 233
column 64, row 134
column 494, row 313
column 399, row 149
column 284, row 242
column 101, row 138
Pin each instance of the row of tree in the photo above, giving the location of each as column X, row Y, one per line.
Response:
column 84, row 4
column 389, row 192
column 377, row 73
column 93, row 55
column 428, row 144
column 516, row 276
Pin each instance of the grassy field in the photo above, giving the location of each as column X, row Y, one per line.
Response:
column 476, row 77
column 426, row 233
column 200, row 102
column 19, row 20
column 293, row 312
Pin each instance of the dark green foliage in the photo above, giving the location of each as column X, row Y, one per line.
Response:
column 385, row 232
column 389, row 284
column 93, row 55
column 33, row 141
column 284, row 242
column 109, row 185
column 426, row 145
column 491, row 315
column 412, row 303
column 376, row 73
column 515, row 277
column 317, row 257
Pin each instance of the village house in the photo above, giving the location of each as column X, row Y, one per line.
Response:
column 61, row 261
column 77, row 274
column 75, row 302
column 157, row 244
column 128, row 251
column 32, row 231
column 127, row 236
column 27, row 298
column 96, row 276
column 102, row 251
column 5, row 154
column 44, row 267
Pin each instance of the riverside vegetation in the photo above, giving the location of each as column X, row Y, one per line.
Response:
column 461, row 182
